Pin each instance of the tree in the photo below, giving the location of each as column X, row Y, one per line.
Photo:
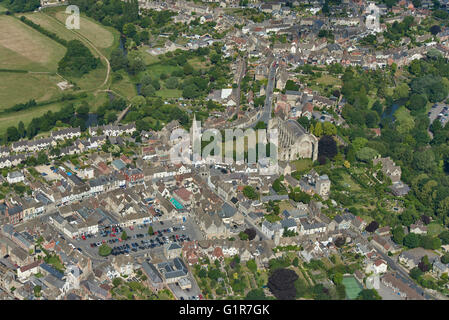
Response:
column 148, row 91
column 190, row 91
column 110, row 116
column 372, row 119
column 327, row 147
column 250, row 193
column 37, row 291
column 118, row 60
column 304, row 122
column 12, row 134
column 256, row 294
column 155, row 83
column 281, row 284
column 243, row 236
column 171, row 83
column 251, row 232
column 445, row 258
column 138, row 101
column 124, row 236
column 295, row 262
column 398, row 235
column 417, row 102
column 252, row 266
column 135, row 63
column 21, row 129
column 129, row 30
column 401, row 91
column 188, row 69
column 372, row 226
column 214, row 274
column 435, row 29
column 425, row 219
column 415, row 273
column 202, row 273
column 104, row 250
column 424, row 264
column 150, row 230
column 340, row 242
column 369, row 294
column 407, row 218
column 444, row 236
column 429, row 242
column 412, row 240
column 318, row 129
column 338, row 278
column 78, row 60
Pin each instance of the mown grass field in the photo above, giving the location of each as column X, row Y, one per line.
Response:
column 50, row 25
column 104, row 38
column 21, row 87
column 22, row 47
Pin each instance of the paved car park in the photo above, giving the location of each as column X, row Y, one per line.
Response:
column 139, row 242
column 47, row 172
column 387, row 293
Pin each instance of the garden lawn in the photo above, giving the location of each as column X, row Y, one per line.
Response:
column 302, row 164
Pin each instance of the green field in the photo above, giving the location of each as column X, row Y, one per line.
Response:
column 169, row 93
column 22, row 47
column 352, row 287
column 104, row 38
column 124, row 87
column 38, row 86
column 157, row 69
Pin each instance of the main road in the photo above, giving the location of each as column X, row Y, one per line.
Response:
column 266, row 114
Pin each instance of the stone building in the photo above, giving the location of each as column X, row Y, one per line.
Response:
column 294, row 141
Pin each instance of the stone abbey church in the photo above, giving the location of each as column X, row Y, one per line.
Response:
column 294, row 141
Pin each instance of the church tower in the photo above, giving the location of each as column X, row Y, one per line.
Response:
column 195, row 138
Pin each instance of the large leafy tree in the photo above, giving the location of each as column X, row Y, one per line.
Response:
column 281, row 284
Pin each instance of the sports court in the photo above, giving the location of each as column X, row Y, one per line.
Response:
column 353, row 288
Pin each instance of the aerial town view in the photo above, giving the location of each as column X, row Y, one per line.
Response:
column 224, row 150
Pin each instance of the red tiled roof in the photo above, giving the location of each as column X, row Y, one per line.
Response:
column 30, row 266
column 183, row 193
